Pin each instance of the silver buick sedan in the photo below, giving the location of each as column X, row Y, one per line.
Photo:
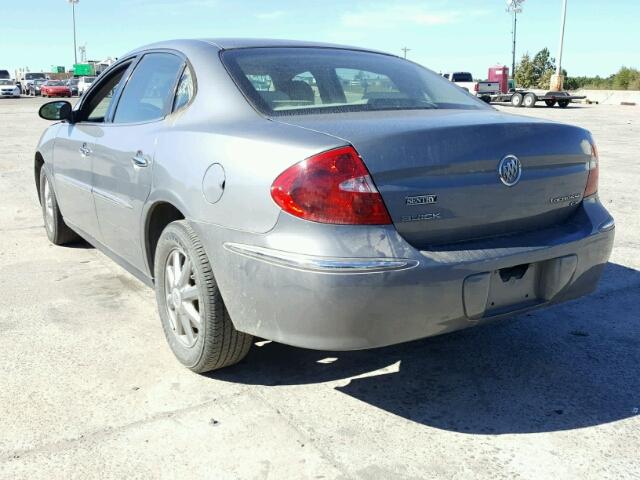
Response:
column 318, row 195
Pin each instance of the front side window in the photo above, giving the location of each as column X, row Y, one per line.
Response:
column 96, row 106
column 148, row 95
column 288, row 81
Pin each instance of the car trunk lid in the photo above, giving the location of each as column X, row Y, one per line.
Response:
column 437, row 170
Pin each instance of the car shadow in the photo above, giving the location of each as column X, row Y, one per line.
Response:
column 569, row 366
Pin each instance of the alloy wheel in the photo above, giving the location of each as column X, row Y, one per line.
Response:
column 182, row 297
column 48, row 205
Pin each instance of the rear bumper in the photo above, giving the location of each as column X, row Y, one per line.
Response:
column 344, row 288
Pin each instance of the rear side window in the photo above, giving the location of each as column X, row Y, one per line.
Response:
column 148, row 94
column 288, row 81
column 185, row 90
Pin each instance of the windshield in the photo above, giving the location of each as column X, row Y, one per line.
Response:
column 73, row 81
column 31, row 76
column 6, row 82
column 287, row 81
column 55, row 83
column 39, row 82
column 89, row 79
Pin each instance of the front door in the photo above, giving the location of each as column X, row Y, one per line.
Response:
column 74, row 154
column 72, row 173
column 123, row 156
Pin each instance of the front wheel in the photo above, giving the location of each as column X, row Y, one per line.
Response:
column 194, row 318
column 58, row 232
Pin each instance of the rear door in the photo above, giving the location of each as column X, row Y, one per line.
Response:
column 124, row 154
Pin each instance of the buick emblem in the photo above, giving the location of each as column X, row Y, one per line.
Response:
column 509, row 170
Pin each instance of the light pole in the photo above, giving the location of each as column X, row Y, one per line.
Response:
column 562, row 21
column 405, row 50
column 73, row 9
column 514, row 7
column 556, row 83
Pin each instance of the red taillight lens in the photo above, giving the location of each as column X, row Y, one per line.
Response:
column 594, row 170
column 331, row 187
column 476, row 87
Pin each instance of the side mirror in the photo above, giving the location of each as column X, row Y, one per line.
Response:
column 59, row 110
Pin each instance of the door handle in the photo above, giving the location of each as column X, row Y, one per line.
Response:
column 84, row 150
column 139, row 159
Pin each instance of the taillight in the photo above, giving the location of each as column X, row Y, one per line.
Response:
column 476, row 87
column 592, row 179
column 331, row 187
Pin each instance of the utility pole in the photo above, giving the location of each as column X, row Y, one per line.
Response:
column 73, row 9
column 562, row 21
column 514, row 7
column 405, row 50
column 557, row 80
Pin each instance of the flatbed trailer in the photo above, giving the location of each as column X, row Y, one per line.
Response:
column 528, row 99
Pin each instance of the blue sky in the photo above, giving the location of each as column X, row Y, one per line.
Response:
column 443, row 35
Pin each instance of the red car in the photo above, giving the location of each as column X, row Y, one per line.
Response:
column 55, row 88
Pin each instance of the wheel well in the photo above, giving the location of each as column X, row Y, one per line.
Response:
column 161, row 215
column 37, row 164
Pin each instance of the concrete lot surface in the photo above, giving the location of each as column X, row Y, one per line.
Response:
column 89, row 388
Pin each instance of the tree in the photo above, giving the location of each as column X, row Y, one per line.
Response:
column 536, row 72
column 524, row 72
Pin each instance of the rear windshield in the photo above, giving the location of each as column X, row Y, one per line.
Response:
column 55, row 83
column 89, row 79
column 288, row 81
column 31, row 76
column 461, row 77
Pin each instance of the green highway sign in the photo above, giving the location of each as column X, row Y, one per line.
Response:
column 83, row 69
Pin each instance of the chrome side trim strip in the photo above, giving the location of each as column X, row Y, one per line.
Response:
column 314, row 263
column 608, row 225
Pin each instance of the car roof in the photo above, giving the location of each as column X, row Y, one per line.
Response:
column 234, row 43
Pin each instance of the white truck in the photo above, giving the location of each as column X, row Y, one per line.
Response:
column 464, row 80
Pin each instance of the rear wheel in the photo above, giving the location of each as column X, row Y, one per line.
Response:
column 549, row 103
column 194, row 318
column 516, row 100
column 58, row 232
column 529, row 100
column 563, row 103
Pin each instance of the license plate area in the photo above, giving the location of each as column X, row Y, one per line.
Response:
column 516, row 287
column 512, row 288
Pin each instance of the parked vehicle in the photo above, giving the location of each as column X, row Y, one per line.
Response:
column 305, row 216
column 35, row 87
column 72, row 83
column 8, row 88
column 84, row 83
column 465, row 80
column 504, row 91
column 462, row 79
column 521, row 97
column 55, row 88
column 27, row 81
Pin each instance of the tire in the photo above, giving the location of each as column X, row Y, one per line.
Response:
column 563, row 103
column 549, row 103
column 516, row 100
column 196, row 324
column 58, row 232
column 529, row 100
